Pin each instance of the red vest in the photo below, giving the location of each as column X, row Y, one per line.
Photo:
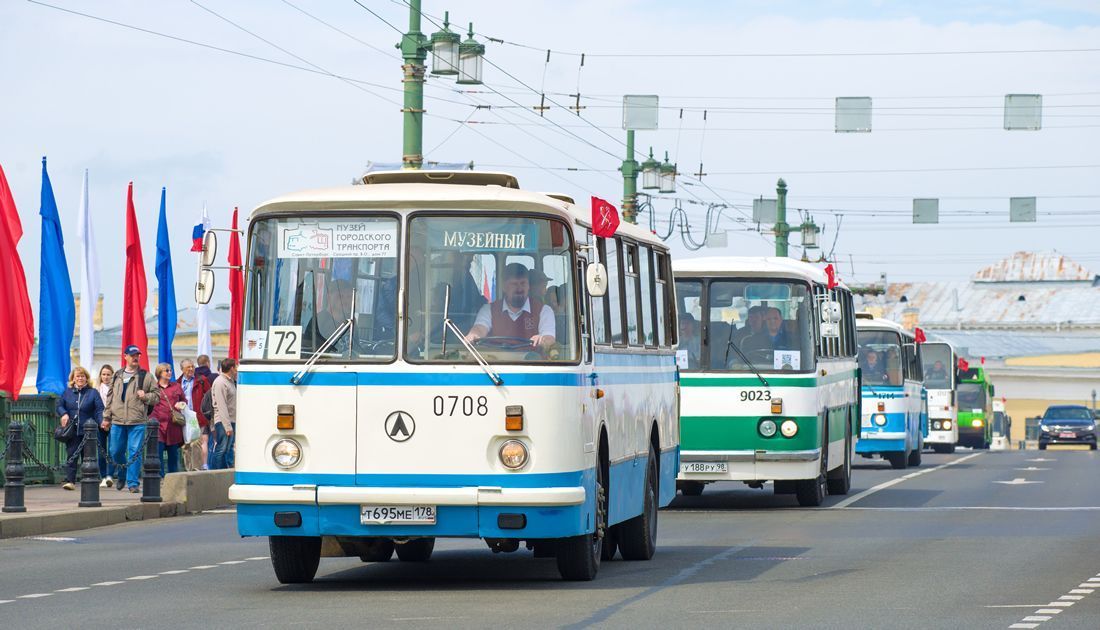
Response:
column 526, row 326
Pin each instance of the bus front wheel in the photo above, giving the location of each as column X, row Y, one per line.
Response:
column 898, row 461
column 840, row 479
column 579, row 556
column 295, row 558
column 638, row 536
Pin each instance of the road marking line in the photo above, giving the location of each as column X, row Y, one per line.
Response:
column 1093, row 579
column 1048, row 611
column 1032, row 468
column 1062, row 604
column 1081, row 591
column 1013, row 605
column 1024, row 625
column 1073, row 598
column 73, row 589
column 221, row 511
column 1036, row 618
column 6, row 601
column 107, row 583
column 34, row 595
column 232, row 562
column 205, row 566
column 886, row 484
column 51, row 538
column 1018, row 481
column 258, row 558
column 176, row 572
column 141, row 577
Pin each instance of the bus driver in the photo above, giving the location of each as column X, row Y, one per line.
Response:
column 516, row 314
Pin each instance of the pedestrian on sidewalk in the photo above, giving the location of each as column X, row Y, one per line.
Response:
column 79, row 402
column 169, row 414
column 224, row 394
column 106, row 465
column 194, row 387
column 133, row 395
column 208, row 434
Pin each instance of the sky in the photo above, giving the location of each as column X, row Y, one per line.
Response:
column 230, row 130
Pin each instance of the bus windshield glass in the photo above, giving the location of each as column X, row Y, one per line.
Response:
column 880, row 357
column 936, row 359
column 971, row 396
column 504, row 282
column 308, row 276
column 761, row 325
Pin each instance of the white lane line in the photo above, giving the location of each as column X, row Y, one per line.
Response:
column 1013, row 605
column 176, row 572
column 1093, row 579
column 1072, row 598
column 74, row 589
column 141, row 577
column 34, row 595
column 1081, row 591
column 886, row 484
column 221, row 511
column 205, row 566
column 6, row 601
column 51, row 538
column 1024, row 625
column 112, row 583
column 1048, row 611
column 1036, row 618
column 232, row 562
column 1062, row 604
column 258, row 558
column 1088, row 585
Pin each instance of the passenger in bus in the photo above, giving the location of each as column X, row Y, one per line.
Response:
column 337, row 309
column 689, row 339
column 937, row 373
column 754, row 323
column 874, row 371
column 466, row 297
column 774, row 336
column 516, row 314
column 893, row 366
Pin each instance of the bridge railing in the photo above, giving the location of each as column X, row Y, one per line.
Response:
column 38, row 414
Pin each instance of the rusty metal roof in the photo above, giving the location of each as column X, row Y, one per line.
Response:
column 1034, row 267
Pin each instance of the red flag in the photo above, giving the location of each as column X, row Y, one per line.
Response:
column 605, row 218
column 236, row 293
column 918, row 336
column 983, row 360
column 964, row 365
column 830, row 273
column 16, row 319
column 135, row 293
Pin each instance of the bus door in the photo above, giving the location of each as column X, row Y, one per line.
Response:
column 916, row 397
column 591, row 320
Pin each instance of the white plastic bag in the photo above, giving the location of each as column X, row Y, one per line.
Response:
column 191, row 430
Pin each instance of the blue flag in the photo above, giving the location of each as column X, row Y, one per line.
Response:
column 56, row 309
column 166, row 289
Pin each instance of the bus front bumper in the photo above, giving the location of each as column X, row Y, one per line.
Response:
column 940, row 437
column 466, row 512
column 753, row 465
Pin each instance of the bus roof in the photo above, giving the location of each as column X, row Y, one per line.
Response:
column 434, row 190
column 875, row 323
column 750, row 266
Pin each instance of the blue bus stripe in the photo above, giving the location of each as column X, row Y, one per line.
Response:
column 464, row 379
column 512, row 480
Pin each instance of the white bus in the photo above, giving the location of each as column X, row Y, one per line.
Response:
column 939, row 361
column 770, row 383
column 421, row 359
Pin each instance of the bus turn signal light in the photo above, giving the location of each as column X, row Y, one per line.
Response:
column 881, row 406
column 513, row 417
column 777, row 405
column 284, row 416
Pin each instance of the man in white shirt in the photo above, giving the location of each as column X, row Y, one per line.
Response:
column 516, row 314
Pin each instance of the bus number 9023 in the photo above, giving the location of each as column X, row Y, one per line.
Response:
column 756, row 394
column 460, row 405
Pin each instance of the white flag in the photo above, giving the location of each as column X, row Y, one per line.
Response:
column 203, row 316
column 89, row 281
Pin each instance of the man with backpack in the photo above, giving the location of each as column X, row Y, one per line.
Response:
column 134, row 393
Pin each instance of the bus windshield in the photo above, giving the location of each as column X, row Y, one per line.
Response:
column 308, row 276
column 880, row 357
column 936, row 359
column 505, row 283
column 971, row 396
column 765, row 324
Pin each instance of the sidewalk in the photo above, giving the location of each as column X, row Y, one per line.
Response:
column 50, row 509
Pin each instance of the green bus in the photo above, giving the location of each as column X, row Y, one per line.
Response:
column 974, row 396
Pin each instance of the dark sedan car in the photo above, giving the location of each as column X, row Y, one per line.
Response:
column 1067, row 424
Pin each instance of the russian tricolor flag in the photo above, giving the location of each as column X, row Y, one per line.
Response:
column 199, row 231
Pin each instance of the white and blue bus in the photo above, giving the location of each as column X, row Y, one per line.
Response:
column 424, row 356
column 895, row 404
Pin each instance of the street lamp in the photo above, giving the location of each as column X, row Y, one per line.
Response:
column 668, row 176
column 470, row 54
column 651, row 173
column 445, row 49
column 809, row 234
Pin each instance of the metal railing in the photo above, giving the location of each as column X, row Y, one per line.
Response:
column 38, row 414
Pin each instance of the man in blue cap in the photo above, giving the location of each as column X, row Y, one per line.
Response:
column 133, row 393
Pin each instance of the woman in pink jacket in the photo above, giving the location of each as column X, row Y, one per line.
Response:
column 169, row 434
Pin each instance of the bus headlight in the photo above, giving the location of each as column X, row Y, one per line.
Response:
column 879, row 419
column 513, row 454
column 947, row 425
column 287, row 453
column 767, row 428
column 978, row 422
column 789, row 428
column 937, row 425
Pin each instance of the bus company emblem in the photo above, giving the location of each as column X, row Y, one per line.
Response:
column 400, row 426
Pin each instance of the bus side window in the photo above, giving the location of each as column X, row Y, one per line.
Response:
column 599, row 305
column 582, row 315
column 631, row 293
column 647, row 296
column 667, row 326
column 614, row 291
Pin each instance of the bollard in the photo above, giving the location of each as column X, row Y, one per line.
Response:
column 89, row 469
column 13, row 471
column 150, row 478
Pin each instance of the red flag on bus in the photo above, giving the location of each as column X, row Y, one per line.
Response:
column 236, row 292
column 964, row 365
column 830, row 273
column 605, row 218
column 918, row 336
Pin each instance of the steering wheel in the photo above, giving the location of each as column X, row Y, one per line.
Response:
column 504, row 343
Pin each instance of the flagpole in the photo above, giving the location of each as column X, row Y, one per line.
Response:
column 89, row 280
column 203, row 342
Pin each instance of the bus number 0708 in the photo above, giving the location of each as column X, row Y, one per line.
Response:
column 756, row 394
column 462, row 405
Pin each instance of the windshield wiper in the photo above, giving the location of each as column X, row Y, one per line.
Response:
column 344, row 327
column 752, row 367
column 450, row 325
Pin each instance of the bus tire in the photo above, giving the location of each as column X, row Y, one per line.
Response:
column 378, row 550
column 691, row 488
column 898, row 461
column 914, row 457
column 610, row 545
column 638, row 536
column 417, row 550
column 579, row 556
column 295, row 558
column 840, row 480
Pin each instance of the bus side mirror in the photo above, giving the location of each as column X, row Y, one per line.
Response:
column 209, row 249
column 991, row 390
column 204, row 288
column 830, row 320
column 596, row 279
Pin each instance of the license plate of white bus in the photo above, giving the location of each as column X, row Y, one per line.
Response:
column 704, row 467
column 397, row 514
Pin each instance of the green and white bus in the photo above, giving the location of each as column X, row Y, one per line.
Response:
column 769, row 380
column 975, row 402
